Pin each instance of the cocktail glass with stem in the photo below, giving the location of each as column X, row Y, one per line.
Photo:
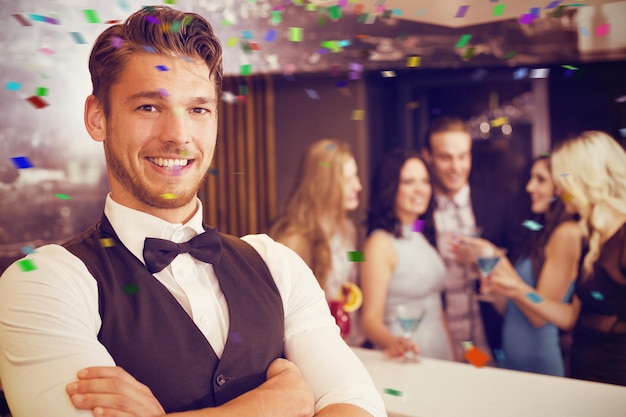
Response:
column 409, row 318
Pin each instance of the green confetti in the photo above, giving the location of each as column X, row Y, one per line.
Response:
column 27, row 265
column 41, row 91
column 277, row 17
column 324, row 164
column 334, row 12
column 510, row 54
column 63, row 196
column 245, row 69
column 356, row 256
column 463, row 40
column 91, row 16
column 394, row 392
column 498, row 9
column 130, row 289
column 295, row 34
column 169, row 1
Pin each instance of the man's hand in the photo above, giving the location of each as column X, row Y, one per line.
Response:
column 285, row 377
column 112, row 392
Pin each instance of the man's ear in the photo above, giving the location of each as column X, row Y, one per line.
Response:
column 95, row 121
column 427, row 156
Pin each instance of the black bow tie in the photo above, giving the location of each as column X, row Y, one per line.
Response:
column 159, row 253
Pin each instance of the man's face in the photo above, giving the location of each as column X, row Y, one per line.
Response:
column 161, row 131
column 450, row 159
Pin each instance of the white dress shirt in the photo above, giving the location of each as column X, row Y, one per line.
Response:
column 49, row 319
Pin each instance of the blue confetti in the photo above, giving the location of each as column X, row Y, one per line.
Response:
column 161, row 68
column 21, row 162
column 532, row 225
column 270, row 35
column 597, row 295
column 534, row 297
column 78, row 38
column 149, row 49
column 13, row 86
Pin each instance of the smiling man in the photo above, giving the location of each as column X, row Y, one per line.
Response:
column 150, row 312
column 461, row 209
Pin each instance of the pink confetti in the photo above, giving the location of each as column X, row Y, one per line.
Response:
column 47, row 51
column 602, row 30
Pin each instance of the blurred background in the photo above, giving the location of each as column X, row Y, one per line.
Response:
column 525, row 75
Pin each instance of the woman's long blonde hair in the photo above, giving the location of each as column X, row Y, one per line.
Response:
column 591, row 170
column 317, row 194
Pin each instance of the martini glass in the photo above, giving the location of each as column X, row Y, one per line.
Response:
column 409, row 317
column 487, row 258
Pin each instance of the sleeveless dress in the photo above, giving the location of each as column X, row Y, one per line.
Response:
column 525, row 347
column 599, row 340
column 418, row 279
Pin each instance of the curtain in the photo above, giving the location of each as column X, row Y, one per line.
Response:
column 239, row 192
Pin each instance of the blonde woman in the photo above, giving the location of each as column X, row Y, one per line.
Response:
column 315, row 222
column 590, row 174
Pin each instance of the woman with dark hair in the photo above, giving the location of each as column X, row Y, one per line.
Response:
column 548, row 261
column 401, row 267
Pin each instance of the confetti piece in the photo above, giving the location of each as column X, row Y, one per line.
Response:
column 418, row 226
column 41, row 91
column 163, row 92
column 394, row 392
column 47, row 51
column 153, row 20
column 27, row 265
column 37, row 102
column 583, row 31
column 330, row 147
column 597, row 295
column 534, row 297
column 602, row 30
column 40, row 18
column 498, row 9
column 123, row 4
column 462, row 11
column 78, row 38
column 277, row 17
column 312, row 94
column 520, row 73
column 413, row 61
column 169, row 1
column 13, row 86
column 566, row 197
column 270, row 36
column 117, row 42
column 324, row 164
column 27, row 250
column 476, row 357
column 356, row 256
column 213, row 172
column 358, row 114
column 148, row 48
column 21, row 162
column 479, row 74
column 245, row 69
column 499, row 121
column 540, row 73
column 243, row 90
column 469, row 53
column 564, row 175
column 168, row 196
column 569, row 67
column 467, row 344
column 295, row 34
column 130, row 289
column 509, row 55
column 499, row 354
column 355, row 67
column 91, row 16
column 247, row 34
column 161, row 67
column 388, row 74
column 334, row 12
column 463, row 40
column 553, row 4
column 412, row 105
column 107, row 242
column 532, row 225
column 23, row 21
column 526, row 19
column 535, row 11
column 62, row 196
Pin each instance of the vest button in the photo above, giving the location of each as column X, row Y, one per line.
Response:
column 220, row 380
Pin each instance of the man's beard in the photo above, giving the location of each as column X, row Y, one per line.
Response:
column 140, row 190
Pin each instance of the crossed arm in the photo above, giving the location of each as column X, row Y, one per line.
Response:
column 112, row 392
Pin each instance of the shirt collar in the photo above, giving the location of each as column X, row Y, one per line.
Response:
column 460, row 199
column 134, row 226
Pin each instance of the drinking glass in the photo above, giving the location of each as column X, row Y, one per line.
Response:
column 409, row 318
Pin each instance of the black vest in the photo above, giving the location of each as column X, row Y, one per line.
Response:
column 150, row 335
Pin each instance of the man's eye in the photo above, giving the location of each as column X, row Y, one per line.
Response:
column 147, row 108
column 200, row 110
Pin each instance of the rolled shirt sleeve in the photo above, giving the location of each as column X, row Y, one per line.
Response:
column 312, row 339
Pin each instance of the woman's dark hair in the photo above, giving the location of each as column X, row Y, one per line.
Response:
column 384, row 187
column 534, row 242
